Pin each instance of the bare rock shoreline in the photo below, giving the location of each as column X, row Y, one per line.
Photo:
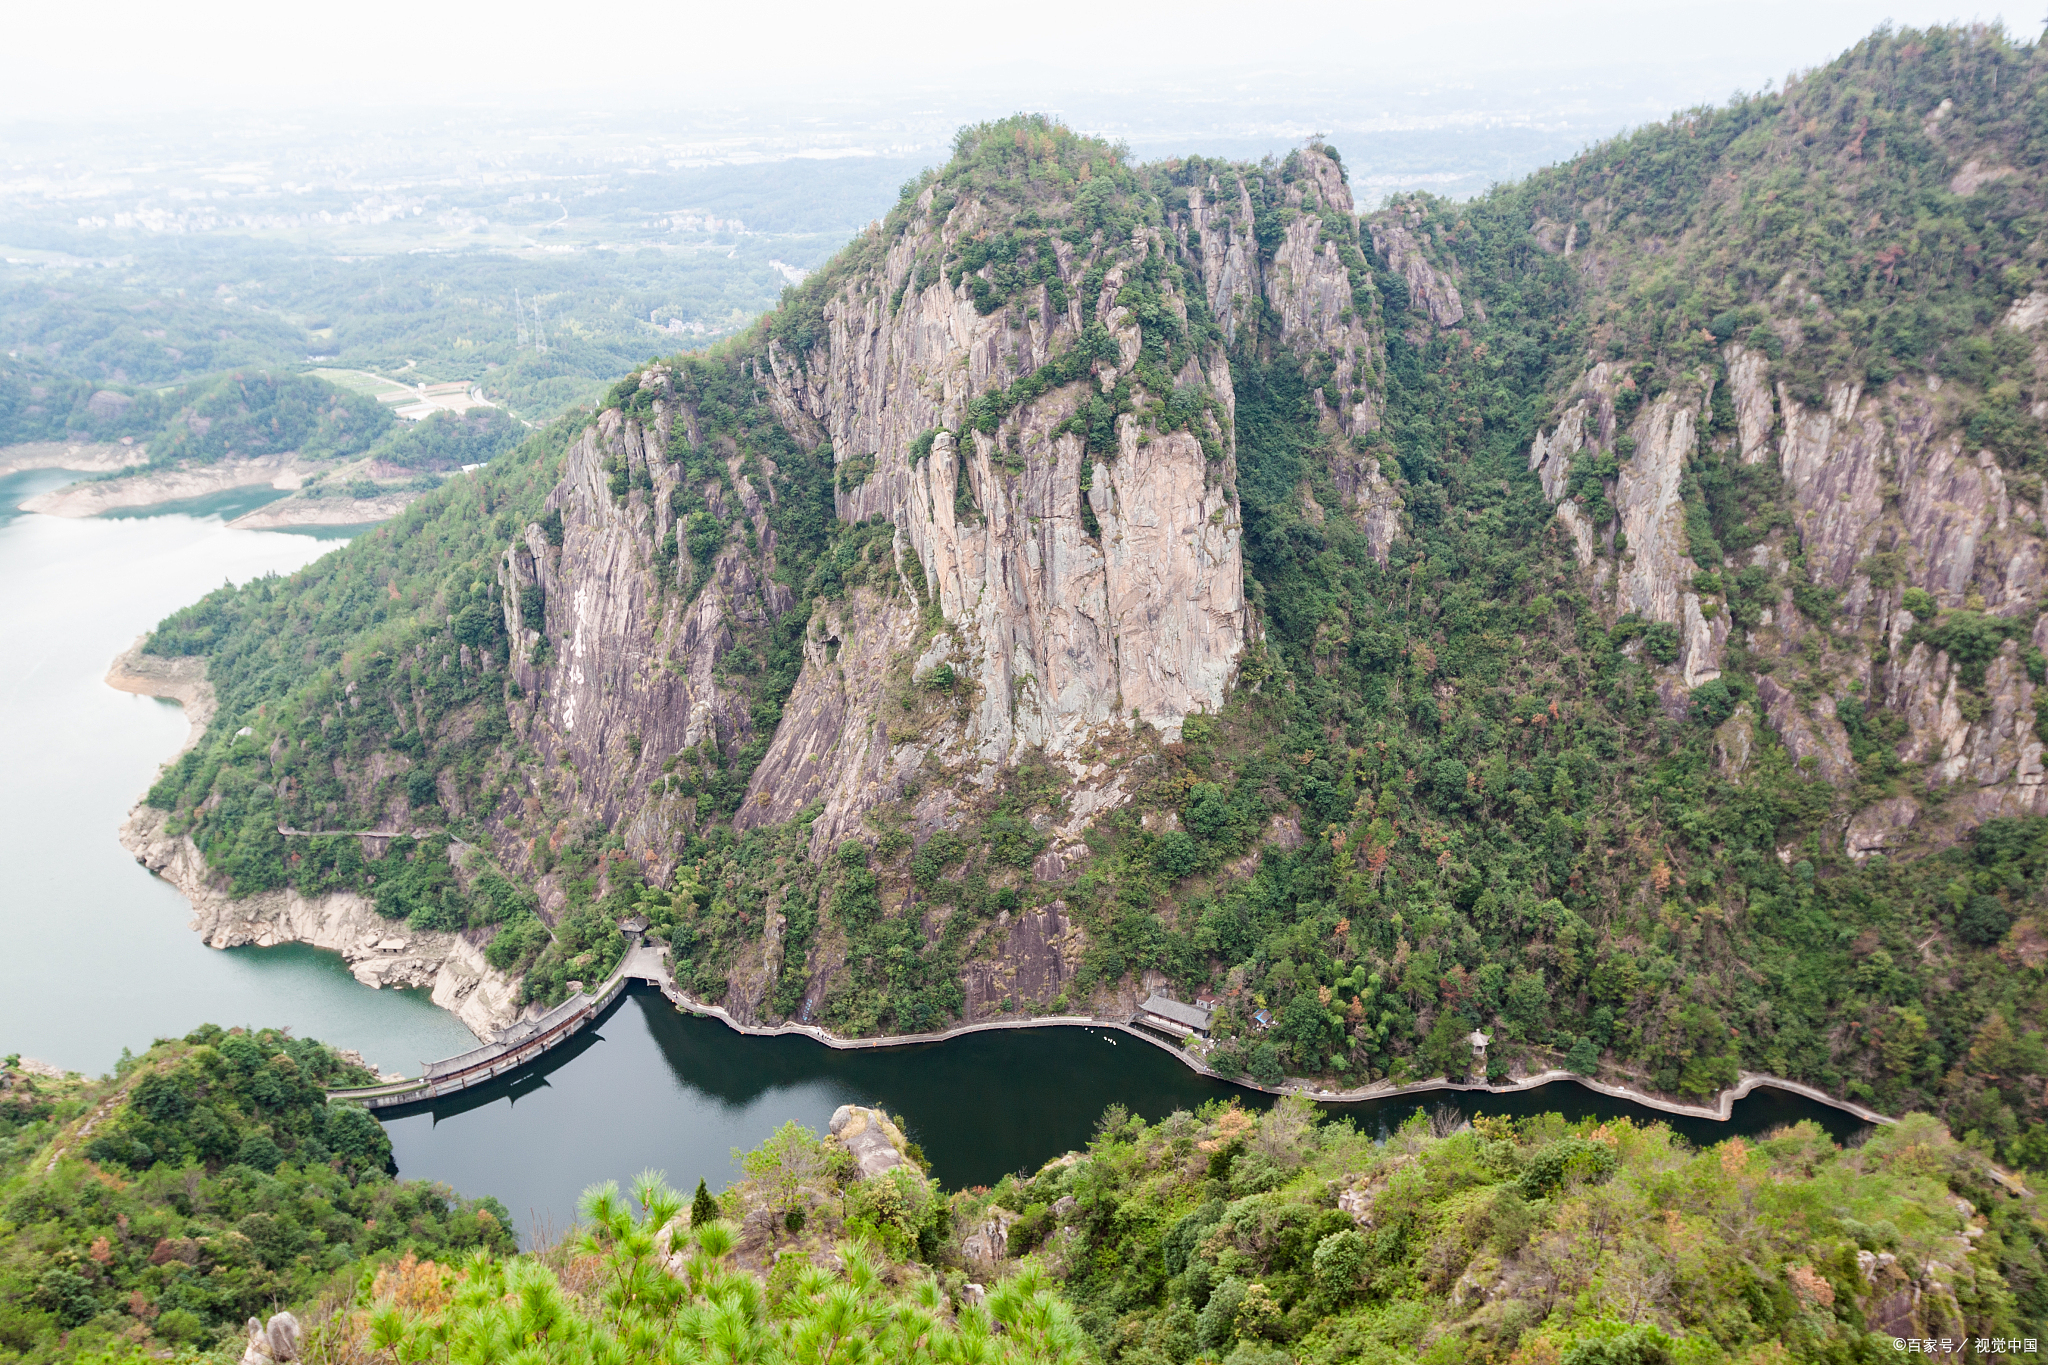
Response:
column 180, row 680
column 378, row 952
column 147, row 489
column 78, row 456
column 325, row 511
column 169, row 485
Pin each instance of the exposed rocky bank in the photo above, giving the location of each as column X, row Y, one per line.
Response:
column 82, row 456
column 168, row 485
column 287, row 513
column 182, row 680
column 379, row 952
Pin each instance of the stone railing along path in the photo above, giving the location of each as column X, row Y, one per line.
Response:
column 515, row 1047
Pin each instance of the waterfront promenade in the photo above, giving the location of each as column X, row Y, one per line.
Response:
column 527, row 1041
column 522, row 1043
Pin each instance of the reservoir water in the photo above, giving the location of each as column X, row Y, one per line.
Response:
column 99, row 956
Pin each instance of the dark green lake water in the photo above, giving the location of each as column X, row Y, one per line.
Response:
column 653, row 1089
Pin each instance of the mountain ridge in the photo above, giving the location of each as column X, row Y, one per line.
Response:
column 1583, row 671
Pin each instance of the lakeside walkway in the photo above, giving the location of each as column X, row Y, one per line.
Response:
column 1721, row 1109
column 527, row 1041
column 516, row 1047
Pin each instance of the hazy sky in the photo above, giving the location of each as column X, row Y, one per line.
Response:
column 119, row 57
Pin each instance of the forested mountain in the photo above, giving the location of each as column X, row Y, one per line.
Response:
column 1602, row 613
column 246, row 413
column 206, row 1180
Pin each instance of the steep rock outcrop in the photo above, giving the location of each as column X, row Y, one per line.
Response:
column 1817, row 739
column 1880, row 827
column 1077, row 592
column 627, row 654
column 1428, row 287
column 1550, row 456
column 1951, row 504
column 1654, row 575
column 1655, row 567
column 872, row 1137
column 1750, row 394
column 1735, row 742
column 834, row 744
column 1060, row 629
column 1952, row 513
column 1832, row 460
column 1885, row 473
column 1041, row 950
column 1064, row 631
column 630, row 673
column 1032, row 422
column 1227, row 253
column 1998, row 752
column 1874, row 478
column 1312, row 294
column 1376, row 505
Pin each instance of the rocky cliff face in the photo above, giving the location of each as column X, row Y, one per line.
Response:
column 1884, row 484
column 1072, row 588
column 1078, row 590
column 378, row 952
column 1637, row 551
column 1310, row 286
column 620, row 675
column 1031, row 439
column 1886, row 499
column 1428, row 286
